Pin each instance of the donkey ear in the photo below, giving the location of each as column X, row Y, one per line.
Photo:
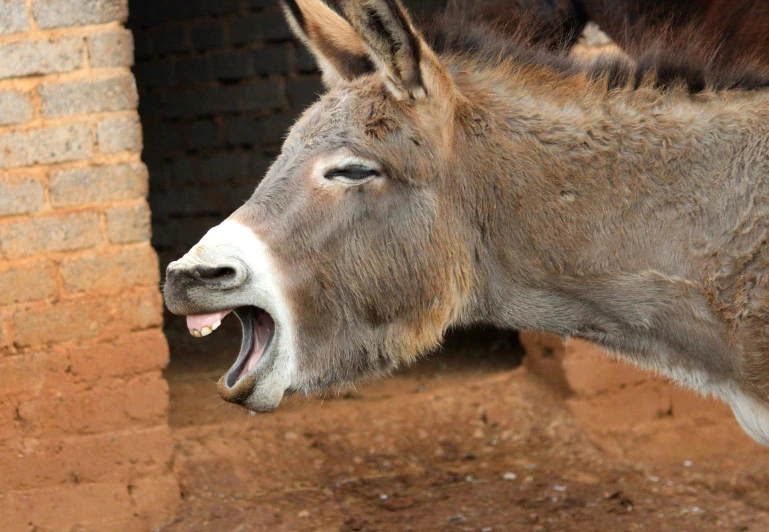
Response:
column 340, row 51
column 401, row 54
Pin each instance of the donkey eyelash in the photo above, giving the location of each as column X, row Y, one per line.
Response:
column 352, row 173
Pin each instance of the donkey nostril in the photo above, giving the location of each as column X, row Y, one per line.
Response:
column 222, row 275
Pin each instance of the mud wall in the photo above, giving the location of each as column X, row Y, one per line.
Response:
column 84, row 440
column 611, row 398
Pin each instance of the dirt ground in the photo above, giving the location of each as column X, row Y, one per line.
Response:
column 465, row 440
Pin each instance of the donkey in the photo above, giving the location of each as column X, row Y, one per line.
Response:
column 735, row 29
column 475, row 180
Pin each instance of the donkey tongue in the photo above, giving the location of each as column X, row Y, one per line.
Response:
column 264, row 326
column 197, row 322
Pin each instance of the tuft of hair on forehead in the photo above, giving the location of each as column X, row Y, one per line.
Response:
column 372, row 106
column 378, row 120
column 665, row 56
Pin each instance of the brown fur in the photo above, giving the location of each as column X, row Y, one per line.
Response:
column 667, row 55
column 732, row 30
column 735, row 30
column 525, row 191
column 330, row 39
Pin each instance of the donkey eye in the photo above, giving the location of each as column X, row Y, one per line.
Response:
column 353, row 173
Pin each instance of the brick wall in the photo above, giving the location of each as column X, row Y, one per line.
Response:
column 220, row 83
column 84, row 440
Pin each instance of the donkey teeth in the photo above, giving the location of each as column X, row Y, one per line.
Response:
column 205, row 331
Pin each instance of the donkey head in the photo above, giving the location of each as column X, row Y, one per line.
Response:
column 351, row 257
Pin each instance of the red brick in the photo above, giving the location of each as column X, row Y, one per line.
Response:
column 111, row 49
column 688, row 404
column 43, row 56
column 30, row 282
column 21, row 195
column 8, row 427
column 113, row 405
column 23, row 374
column 14, row 16
column 68, row 13
column 157, row 499
column 99, row 184
column 623, row 408
column 88, row 317
column 142, row 309
column 135, row 266
column 86, row 97
column 15, row 107
column 670, row 441
column 52, row 233
column 117, row 135
column 129, row 224
column 69, row 507
column 544, row 358
column 49, row 145
column 5, row 332
column 127, row 355
column 118, row 457
column 55, row 368
column 590, row 370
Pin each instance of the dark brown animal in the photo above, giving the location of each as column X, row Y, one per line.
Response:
column 477, row 180
column 730, row 30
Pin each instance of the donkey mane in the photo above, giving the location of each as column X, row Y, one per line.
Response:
column 664, row 59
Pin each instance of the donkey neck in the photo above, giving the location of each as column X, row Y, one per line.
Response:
column 595, row 195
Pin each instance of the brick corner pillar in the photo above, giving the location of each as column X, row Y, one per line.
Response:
column 608, row 395
column 84, row 437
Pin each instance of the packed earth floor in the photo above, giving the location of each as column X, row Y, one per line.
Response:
column 465, row 440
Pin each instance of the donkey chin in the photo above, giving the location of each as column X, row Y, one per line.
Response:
column 230, row 272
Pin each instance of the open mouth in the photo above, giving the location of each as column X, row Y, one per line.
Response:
column 258, row 334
